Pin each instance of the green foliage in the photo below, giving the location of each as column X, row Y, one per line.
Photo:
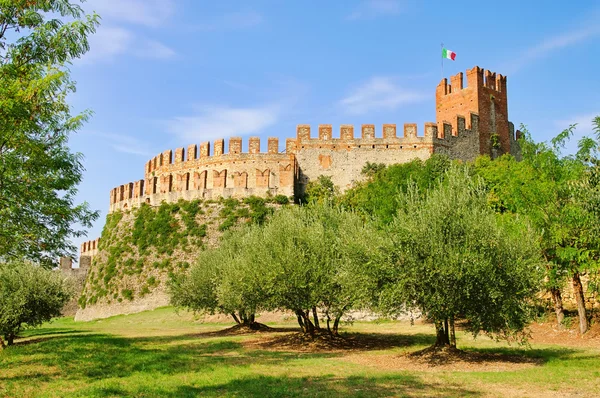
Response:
column 452, row 257
column 29, row 296
column 378, row 196
column 320, row 191
column 557, row 195
column 370, row 169
column 281, row 200
column 39, row 174
column 302, row 257
column 156, row 228
column 127, row 293
column 256, row 212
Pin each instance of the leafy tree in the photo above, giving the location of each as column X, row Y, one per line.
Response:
column 558, row 194
column 303, row 259
column 226, row 279
column 318, row 258
column 38, row 173
column 378, row 195
column 29, row 296
column 452, row 257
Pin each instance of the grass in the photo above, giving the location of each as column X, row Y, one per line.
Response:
column 163, row 353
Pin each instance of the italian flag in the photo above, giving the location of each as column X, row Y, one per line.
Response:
column 448, row 54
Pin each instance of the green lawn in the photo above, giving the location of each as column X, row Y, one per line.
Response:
column 165, row 354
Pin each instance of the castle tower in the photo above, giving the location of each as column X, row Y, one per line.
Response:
column 485, row 95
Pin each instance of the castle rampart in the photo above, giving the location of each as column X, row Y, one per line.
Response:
column 222, row 174
column 89, row 248
column 470, row 120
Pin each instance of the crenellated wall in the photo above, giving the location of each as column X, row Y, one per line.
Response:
column 343, row 157
column 484, row 95
column 470, row 120
column 89, row 248
column 202, row 175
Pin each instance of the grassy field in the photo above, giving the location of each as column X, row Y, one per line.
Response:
column 166, row 354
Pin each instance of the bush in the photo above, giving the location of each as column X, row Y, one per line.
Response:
column 127, row 293
column 29, row 296
column 281, row 200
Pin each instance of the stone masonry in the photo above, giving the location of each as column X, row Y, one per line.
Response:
column 471, row 120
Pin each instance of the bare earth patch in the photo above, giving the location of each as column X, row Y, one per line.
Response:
column 548, row 333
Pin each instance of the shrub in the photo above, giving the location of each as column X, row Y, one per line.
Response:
column 281, row 200
column 29, row 296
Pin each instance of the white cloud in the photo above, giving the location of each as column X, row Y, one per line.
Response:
column 113, row 39
column 379, row 93
column 111, row 42
column 140, row 12
column 127, row 144
column 375, row 8
column 154, row 49
column 232, row 21
column 211, row 122
column 552, row 45
column 107, row 43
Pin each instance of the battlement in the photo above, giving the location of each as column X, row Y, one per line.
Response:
column 165, row 158
column 486, row 95
column 369, row 138
column 89, row 248
column 202, row 174
column 477, row 78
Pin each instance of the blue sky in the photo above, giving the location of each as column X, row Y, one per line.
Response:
column 163, row 74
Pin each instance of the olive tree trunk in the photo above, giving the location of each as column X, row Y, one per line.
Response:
column 316, row 317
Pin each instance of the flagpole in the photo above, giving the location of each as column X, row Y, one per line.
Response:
column 442, row 55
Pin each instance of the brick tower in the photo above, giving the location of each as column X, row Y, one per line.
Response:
column 484, row 95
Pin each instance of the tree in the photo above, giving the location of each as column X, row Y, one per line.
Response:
column 557, row 194
column 322, row 190
column 452, row 257
column 29, row 296
column 226, row 279
column 38, row 173
column 319, row 258
column 378, row 195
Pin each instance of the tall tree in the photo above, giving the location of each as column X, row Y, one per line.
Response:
column 453, row 258
column 557, row 193
column 38, row 172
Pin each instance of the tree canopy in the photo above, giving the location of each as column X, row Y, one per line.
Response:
column 559, row 196
column 38, row 172
column 453, row 258
column 29, row 296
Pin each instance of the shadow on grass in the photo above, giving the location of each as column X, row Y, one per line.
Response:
column 322, row 386
column 523, row 355
column 97, row 356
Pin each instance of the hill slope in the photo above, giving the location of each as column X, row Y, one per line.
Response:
column 140, row 248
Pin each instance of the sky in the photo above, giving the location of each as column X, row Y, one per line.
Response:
column 163, row 74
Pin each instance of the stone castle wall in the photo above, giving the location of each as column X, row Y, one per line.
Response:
column 77, row 277
column 471, row 120
column 222, row 174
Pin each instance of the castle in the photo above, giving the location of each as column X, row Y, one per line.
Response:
column 471, row 120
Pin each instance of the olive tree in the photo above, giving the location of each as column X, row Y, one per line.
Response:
column 452, row 257
column 29, row 296
column 224, row 279
column 319, row 258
